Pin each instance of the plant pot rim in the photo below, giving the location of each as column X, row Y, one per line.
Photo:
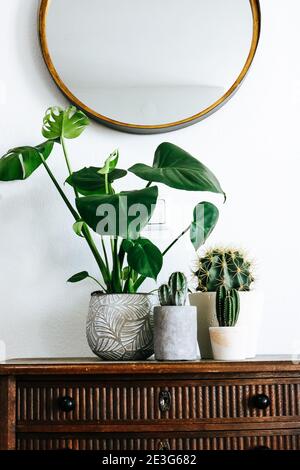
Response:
column 100, row 293
column 237, row 327
column 176, row 306
column 214, row 292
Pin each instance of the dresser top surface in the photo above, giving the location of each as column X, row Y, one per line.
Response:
column 93, row 366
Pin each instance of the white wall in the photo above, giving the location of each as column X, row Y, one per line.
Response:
column 252, row 144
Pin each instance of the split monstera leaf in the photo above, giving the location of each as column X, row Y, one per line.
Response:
column 125, row 258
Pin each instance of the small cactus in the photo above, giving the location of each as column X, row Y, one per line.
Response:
column 175, row 292
column 164, row 295
column 227, row 306
column 178, row 288
column 228, row 268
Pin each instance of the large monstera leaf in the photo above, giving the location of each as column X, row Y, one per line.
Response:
column 89, row 181
column 59, row 123
column 19, row 163
column 205, row 218
column 145, row 258
column 176, row 168
column 123, row 215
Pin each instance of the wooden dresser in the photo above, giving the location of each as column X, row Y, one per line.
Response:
column 86, row 404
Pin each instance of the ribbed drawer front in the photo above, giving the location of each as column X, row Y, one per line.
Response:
column 139, row 401
column 277, row 440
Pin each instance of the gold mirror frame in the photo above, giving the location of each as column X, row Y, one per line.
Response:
column 148, row 129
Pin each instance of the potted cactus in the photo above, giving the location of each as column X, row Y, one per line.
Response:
column 229, row 268
column 175, row 324
column 228, row 339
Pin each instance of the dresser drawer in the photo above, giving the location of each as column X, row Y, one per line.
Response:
column 143, row 401
column 275, row 440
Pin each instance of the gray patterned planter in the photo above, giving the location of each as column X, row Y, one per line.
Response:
column 120, row 326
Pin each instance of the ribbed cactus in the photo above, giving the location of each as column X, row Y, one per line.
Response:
column 228, row 268
column 227, row 306
column 164, row 295
column 175, row 292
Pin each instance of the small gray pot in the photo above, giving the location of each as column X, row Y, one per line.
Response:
column 175, row 333
column 120, row 326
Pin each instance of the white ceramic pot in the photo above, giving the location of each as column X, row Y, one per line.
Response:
column 228, row 343
column 120, row 326
column 250, row 317
column 175, row 333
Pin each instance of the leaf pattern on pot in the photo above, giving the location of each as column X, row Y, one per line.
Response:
column 120, row 326
column 111, row 347
column 112, row 355
column 108, row 323
column 136, row 333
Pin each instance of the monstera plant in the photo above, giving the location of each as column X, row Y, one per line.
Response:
column 123, row 256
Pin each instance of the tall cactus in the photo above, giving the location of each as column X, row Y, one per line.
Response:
column 178, row 288
column 228, row 268
column 175, row 292
column 227, row 306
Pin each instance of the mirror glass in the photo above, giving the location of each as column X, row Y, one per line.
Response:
column 147, row 62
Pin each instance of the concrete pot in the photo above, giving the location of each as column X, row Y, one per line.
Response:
column 250, row 317
column 228, row 343
column 120, row 326
column 175, row 333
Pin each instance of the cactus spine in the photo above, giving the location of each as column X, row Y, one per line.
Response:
column 227, row 306
column 228, row 268
column 175, row 292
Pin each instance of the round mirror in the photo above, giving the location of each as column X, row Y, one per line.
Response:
column 149, row 65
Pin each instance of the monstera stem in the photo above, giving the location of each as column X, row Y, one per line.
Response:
column 105, row 253
column 63, row 144
column 116, row 271
column 138, row 283
column 142, row 279
column 176, row 240
column 62, row 194
column 104, row 271
column 104, row 268
column 85, row 230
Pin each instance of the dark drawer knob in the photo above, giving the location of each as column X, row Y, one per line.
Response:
column 66, row 404
column 260, row 401
column 164, row 401
column 163, row 445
